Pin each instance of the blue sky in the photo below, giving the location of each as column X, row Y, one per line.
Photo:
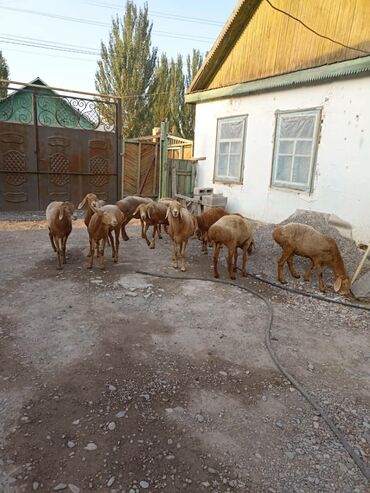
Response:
column 76, row 70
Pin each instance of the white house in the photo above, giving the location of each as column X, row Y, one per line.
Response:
column 283, row 110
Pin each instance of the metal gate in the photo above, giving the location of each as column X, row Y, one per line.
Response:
column 55, row 147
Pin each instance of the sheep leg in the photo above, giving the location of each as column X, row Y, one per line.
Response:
column 205, row 244
column 123, row 230
column 152, row 243
column 116, row 234
column 216, row 253
column 320, row 276
column 64, row 245
column 91, row 253
column 230, row 263
column 183, row 253
column 52, row 241
column 59, row 253
column 145, row 234
column 175, row 264
column 286, row 254
column 101, row 252
column 235, row 259
column 159, row 231
column 292, row 270
column 307, row 274
column 246, row 252
column 111, row 240
column 142, row 228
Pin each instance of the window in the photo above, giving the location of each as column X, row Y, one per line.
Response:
column 229, row 149
column 295, row 149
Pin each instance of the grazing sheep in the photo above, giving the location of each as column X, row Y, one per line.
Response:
column 234, row 231
column 204, row 221
column 305, row 241
column 128, row 206
column 59, row 219
column 181, row 228
column 100, row 223
column 114, row 209
column 152, row 214
column 90, row 199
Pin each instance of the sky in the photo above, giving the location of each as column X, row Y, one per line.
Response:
column 21, row 32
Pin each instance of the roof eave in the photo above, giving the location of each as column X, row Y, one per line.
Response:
column 348, row 68
column 239, row 18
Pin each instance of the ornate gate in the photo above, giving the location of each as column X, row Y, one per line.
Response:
column 55, row 147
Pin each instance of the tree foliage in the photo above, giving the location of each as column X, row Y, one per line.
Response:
column 4, row 74
column 152, row 89
column 126, row 68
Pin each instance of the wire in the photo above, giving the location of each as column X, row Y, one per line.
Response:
column 317, row 33
column 320, row 411
column 198, row 38
column 165, row 15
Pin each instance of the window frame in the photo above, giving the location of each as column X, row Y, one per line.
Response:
column 225, row 180
column 280, row 185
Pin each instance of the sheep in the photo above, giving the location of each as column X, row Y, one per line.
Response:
column 90, row 199
column 99, row 225
column 128, row 206
column 234, row 231
column 115, row 210
column 59, row 220
column 204, row 221
column 305, row 241
column 181, row 228
column 152, row 214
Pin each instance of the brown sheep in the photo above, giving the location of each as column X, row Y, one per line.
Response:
column 59, row 219
column 128, row 206
column 90, row 199
column 114, row 242
column 234, row 231
column 98, row 229
column 204, row 221
column 305, row 241
column 181, row 228
column 152, row 214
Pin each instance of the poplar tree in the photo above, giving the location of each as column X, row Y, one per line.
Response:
column 193, row 64
column 4, row 74
column 126, row 68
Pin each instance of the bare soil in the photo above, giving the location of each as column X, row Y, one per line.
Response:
column 169, row 381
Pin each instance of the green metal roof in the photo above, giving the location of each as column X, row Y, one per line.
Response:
column 348, row 68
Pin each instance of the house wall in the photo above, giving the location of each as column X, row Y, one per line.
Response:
column 341, row 182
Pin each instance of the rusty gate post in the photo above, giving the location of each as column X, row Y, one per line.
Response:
column 37, row 147
column 120, row 155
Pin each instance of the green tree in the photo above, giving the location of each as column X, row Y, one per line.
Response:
column 4, row 74
column 160, row 107
column 176, row 95
column 126, row 68
column 193, row 64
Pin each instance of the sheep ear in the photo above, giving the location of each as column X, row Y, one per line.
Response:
column 148, row 212
column 97, row 211
column 135, row 214
column 182, row 212
column 337, row 284
column 81, row 204
column 168, row 212
column 61, row 212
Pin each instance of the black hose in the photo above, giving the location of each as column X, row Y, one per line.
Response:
column 310, row 295
column 319, row 410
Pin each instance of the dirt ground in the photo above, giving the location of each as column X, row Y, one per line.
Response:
column 118, row 382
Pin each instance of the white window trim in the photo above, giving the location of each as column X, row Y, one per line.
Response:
column 227, row 179
column 279, row 184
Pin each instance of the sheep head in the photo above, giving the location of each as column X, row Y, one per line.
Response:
column 66, row 208
column 90, row 198
column 175, row 209
column 343, row 285
column 106, row 216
